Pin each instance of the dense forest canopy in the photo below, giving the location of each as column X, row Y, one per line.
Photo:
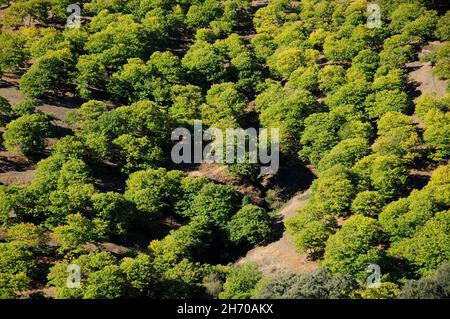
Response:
column 337, row 88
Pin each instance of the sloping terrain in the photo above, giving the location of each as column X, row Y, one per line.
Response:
column 280, row 256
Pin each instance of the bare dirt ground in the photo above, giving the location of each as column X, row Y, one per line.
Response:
column 220, row 174
column 58, row 108
column 17, row 178
column 16, row 169
column 280, row 256
column 423, row 81
column 421, row 75
column 427, row 81
column 47, row 293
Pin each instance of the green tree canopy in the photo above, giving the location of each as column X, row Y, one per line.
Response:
column 153, row 190
column 429, row 246
column 354, row 247
column 435, row 286
column 217, row 202
column 317, row 284
column 240, row 282
column 46, row 73
column 16, row 266
column 78, row 231
column 27, row 134
column 347, row 152
column 12, row 53
column 251, row 225
column 5, row 111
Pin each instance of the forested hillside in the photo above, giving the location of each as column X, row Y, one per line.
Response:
column 92, row 204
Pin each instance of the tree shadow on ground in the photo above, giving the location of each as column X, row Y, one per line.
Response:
column 292, row 178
